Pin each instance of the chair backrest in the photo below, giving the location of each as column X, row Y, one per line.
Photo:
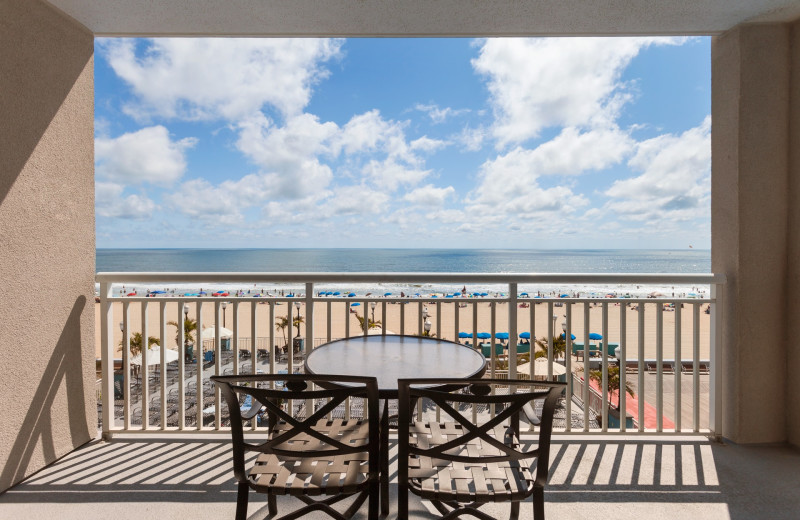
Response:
column 266, row 398
column 508, row 398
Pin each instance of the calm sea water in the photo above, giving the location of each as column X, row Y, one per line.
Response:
column 410, row 260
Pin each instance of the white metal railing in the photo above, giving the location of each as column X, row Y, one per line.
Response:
column 177, row 396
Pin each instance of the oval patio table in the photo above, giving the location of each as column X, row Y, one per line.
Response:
column 389, row 358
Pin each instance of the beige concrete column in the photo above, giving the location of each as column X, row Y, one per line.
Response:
column 47, row 396
column 750, row 150
column 793, row 283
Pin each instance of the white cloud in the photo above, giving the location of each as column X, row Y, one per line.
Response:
column 426, row 144
column 439, row 115
column 472, row 138
column 109, row 202
column 228, row 78
column 429, row 195
column 544, row 82
column 390, row 175
column 147, row 155
column 675, row 182
column 356, row 200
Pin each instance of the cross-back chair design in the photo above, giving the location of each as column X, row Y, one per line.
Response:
column 459, row 465
column 305, row 454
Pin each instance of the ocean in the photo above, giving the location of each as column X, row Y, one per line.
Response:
column 410, row 260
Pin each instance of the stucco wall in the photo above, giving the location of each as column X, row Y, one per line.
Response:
column 793, row 253
column 46, row 238
column 750, row 103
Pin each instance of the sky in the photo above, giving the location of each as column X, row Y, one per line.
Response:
column 554, row 143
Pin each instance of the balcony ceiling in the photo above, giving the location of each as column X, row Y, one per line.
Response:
column 419, row 17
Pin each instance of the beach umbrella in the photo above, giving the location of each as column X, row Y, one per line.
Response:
column 565, row 295
column 337, row 293
column 202, row 293
column 210, row 333
column 157, row 292
column 525, row 335
column 484, row 294
column 456, row 294
column 484, row 335
column 573, row 336
column 476, row 294
column 356, row 304
column 154, row 356
column 501, row 335
column 523, row 294
column 387, row 294
column 131, row 294
column 595, row 335
column 350, row 295
column 464, row 335
column 540, row 367
column 219, row 292
column 417, row 295
column 448, row 296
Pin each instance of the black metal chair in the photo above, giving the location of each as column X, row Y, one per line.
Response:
column 304, row 455
column 459, row 465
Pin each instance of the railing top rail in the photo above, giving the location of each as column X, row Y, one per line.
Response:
column 375, row 277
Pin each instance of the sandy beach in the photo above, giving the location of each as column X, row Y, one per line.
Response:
column 445, row 322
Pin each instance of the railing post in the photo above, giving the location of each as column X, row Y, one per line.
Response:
column 512, row 331
column 107, row 357
column 715, row 388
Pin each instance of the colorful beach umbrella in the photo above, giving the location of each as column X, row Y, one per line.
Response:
column 350, row 295
column 595, row 335
column 337, row 293
column 484, row 294
column 387, row 294
column 464, row 335
column 476, row 294
column 355, row 304
column 525, row 335
column 523, row 294
column 501, row 335
column 573, row 336
column 484, row 335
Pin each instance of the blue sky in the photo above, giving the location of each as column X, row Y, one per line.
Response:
column 454, row 143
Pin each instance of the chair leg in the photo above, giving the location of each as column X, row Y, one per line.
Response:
column 241, row 501
column 514, row 511
column 538, row 503
column 272, row 502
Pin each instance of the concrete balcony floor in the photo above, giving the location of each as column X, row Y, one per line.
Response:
column 609, row 477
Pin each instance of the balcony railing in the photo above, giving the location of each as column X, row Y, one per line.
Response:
column 664, row 348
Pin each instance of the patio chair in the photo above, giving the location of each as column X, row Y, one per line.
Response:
column 305, row 455
column 460, row 466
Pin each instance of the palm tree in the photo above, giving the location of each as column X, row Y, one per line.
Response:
column 298, row 320
column 370, row 322
column 613, row 383
column 559, row 347
column 282, row 322
column 136, row 342
column 189, row 327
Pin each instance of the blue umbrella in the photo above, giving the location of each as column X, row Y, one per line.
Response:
column 191, row 294
column 523, row 294
column 565, row 295
column 476, row 294
column 595, row 335
column 290, row 295
column 573, row 336
column 356, row 304
column 434, row 296
column 525, row 335
column 387, row 294
column 157, row 292
column 337, row 293
column 256, row 296
column 484, row 335
column 202, row 292
column 456, row 294
column 464, row 335
column 417, row 294
column 449, row 296
column 484, row 294
column 501, row 335
column 350, row 295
